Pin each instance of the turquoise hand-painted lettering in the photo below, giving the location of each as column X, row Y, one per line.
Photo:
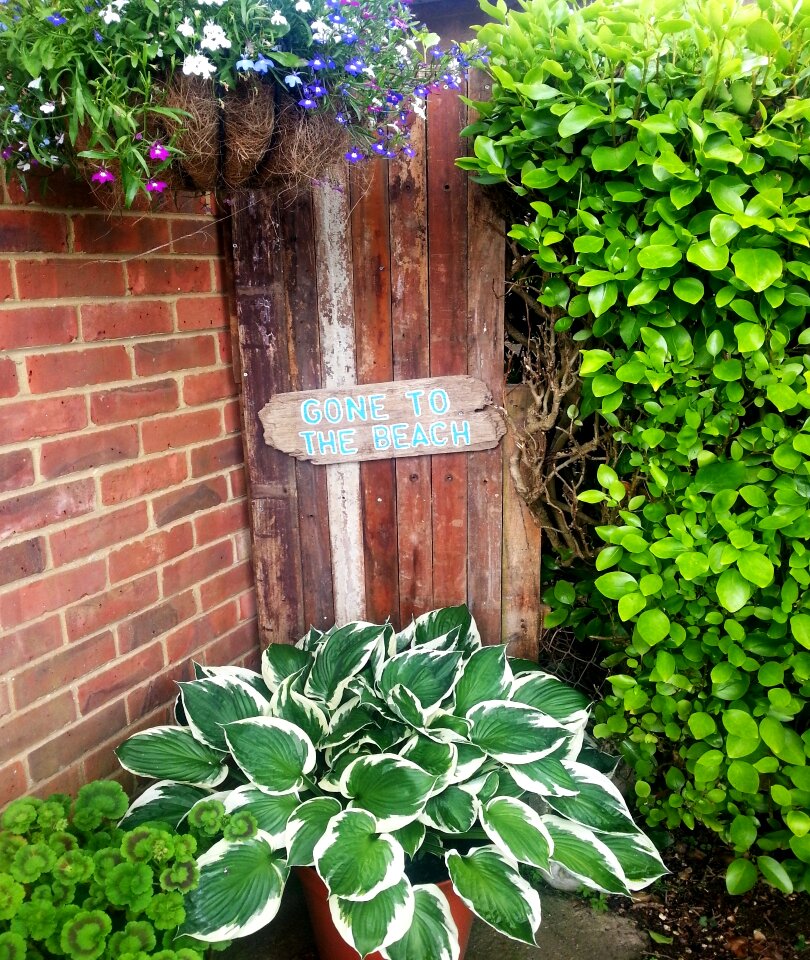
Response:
column 402, row 436
column 335, row 410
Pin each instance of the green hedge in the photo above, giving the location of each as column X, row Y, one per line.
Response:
column 662, row 150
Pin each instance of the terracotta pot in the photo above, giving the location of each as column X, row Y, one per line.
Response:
column 330, row 944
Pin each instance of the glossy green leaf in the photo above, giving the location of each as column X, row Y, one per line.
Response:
column 355, row 859
column 369, row 925
column 172, row 753
column 432, row 931
column 757, row 267
column 393, row 789
column 517, row 831
column 273, row 754
column 579, row 119
column 305, row 827
column 733, row 590
column 614, row 158
column 741, row 876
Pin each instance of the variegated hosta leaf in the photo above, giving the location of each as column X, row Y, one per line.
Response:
column 517, row 831
column 436, row 624
column 638, row 856
column 430, row 677
column 280, row 660
column 336, row 766
column 306, row 827
column 349, row 717
column 239, row 890
column 452, row 811
column 214, row 701
column 547, row 777
column 253, row 679
column 434, row 757
column 410, row 837
column 311, row 640
column 470, row 761
column 432, row 933
column 343, row 654
column 287, row 704
column 393, row 789
column 550, row 695
column 167, row 801
column 368, row 925
column 494, row 890
column 513, row 732
column 355, row 860
column 447, row 728
column 271, row 812
column 597, row 803
column 486, row 676
column 274, row 754
column 484, row 787
column 581, row 852
column 172, row 753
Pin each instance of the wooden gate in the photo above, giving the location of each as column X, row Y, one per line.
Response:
column 399, row 274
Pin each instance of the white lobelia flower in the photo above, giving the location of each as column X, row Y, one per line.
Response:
column 303, row 6
column 214, row 37
column 109, row 15
column 48, row 107
column 418, row 107
column 198, row 66
column 321, row 31
column 186, row 28
column 278, row 19
column 35, row 84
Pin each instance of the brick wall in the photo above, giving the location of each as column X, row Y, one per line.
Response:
column 124, row 548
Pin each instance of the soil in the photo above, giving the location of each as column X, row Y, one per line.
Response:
column 692, row 910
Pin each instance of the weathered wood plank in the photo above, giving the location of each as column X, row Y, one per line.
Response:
column 305, row 374
column 485, row 361
column 371, row 260
column 265, row 363
column 336, row 315
column 411, row 345
column 521, row 549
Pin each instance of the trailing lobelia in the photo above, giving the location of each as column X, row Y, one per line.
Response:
column 364, row 752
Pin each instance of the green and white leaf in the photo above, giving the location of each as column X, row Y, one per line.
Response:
column 410, row 837
column 494, row 890
column 514, row 732
column 239, row 891
column 214, row 701
column 306, row 827
column 172, row 753
column 435, row 757
column 452, row 811
column 430, row 677
column 271, row 812
column 550, row 695
column 581, row 854
column 280, row 661
column 469, row 762
column 598, row 803
column 393, row 789
column 166, row 801
column 253, row 679
column 345, row 722
column 547, row 777
column 355, row 859
column 432, row 931
column 486, row 676
column 273, row 754
column 436, row 625
column 301, row 711
column 640, row 861
column 343, row 654
column 369, row 925
column 311, row 640
column 517, row 830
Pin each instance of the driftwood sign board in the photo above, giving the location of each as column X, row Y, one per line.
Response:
column 408, row 418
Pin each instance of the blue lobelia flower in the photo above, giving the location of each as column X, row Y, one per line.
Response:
column 245, row 64
column 262, row 65
column 355, row 155
column 355, row 67
column 56, row 19
column 308, row 103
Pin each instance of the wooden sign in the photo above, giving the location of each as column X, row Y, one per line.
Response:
column 408, row 418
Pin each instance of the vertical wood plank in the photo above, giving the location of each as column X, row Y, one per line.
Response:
column 375, row 364
column 411, row 343
column 447, row 283
column 485, row 361
column 336, row 312
column 521, row 549
column 303, row 333
column 265, row 363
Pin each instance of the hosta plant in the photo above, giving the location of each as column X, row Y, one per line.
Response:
column 73, row 884
column 370, row 755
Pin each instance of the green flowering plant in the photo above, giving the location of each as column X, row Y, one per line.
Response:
column 74, row 884
column 87, row 81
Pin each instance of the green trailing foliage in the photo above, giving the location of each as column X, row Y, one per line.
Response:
column 73, row 884
column 661, row 150
column 367, row 754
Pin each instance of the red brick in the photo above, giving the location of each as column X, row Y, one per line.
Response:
column 207, row 387
column 57, row 189
column 203, row 313
column 114, row 604
column 120, row 678
column 33, row 230
column 69, row 277
column 73, row 743
column 233, row 417
column 22, row 560
column 241, row 642
column 102, row 763
column 155, row 622
column 76, row 368
column 199, row 566
column 238, row 483
column 61, row 669
column 6, row 286
column 27, row 419
column 5, row 699
column 141, row 478
column 189, row 639
column 215, row 457
column 125, row 318
column 221, row 523
column 8, row 378
column 28, row 727
column 33, row 326
column 13, row 783
column 50, row 593
column 161, row 356
column 149, row 552
column 193, row 237
column 83, row 539
column 180, row 430
column 88, row 450
column 182, row 503
column 69, row 781
column 133, row 403
column 247, row 605
column 16, row 470
column 94, row 233
column 168, row 275
column 225, row 347
column 220, row 275
column 32, row 511
column 227, row 584
column 160, row 692
column 26, row 644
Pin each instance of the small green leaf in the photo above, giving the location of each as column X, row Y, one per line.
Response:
column 750, row 336
column 775, row 874
column 758, row 267
column 658, row 256
column 733, row 591
column 756, row 568
column 653, row 626
column 616, row 584
column 688, row 289
column 741, row 876
column 614, row 158
column 708, row 256
column 580, row 118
